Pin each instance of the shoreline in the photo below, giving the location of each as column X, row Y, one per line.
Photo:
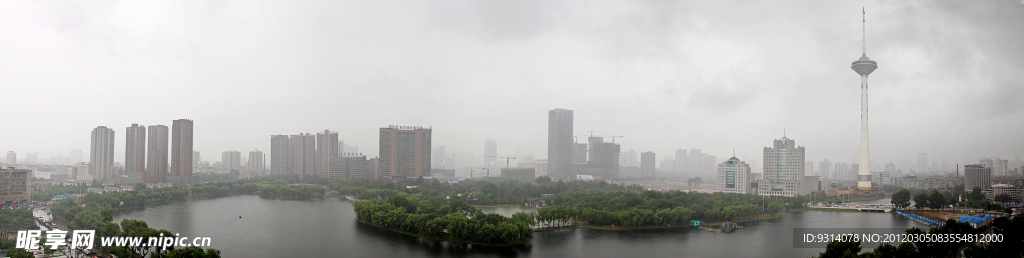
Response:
column 437, row 239
column 610, row 228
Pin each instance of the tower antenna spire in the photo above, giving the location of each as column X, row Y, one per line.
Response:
column 863, row 31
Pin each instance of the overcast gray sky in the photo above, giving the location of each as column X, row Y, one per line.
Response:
column 713, row 75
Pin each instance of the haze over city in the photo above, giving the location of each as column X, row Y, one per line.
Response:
column 665, row 75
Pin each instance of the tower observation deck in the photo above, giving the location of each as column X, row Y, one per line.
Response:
column 864, row 66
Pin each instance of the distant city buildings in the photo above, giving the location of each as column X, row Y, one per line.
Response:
column 490, row 153
column 922, row 162
column 256, row 165
column 694, row 163
column 825, row 169
column 733, row 176
column 404, row 151
column 231, row 160
column 628, row 159
column 647, row 164
column 303, row 154
column 135, row 149
column 181, row 150
column 327, row 149
column 977, row 175
column 603, row 159
column 560, row 144
column 101, row 152
column 280, row 155
column 783, row 169
column 12, row 157
column 156, row 156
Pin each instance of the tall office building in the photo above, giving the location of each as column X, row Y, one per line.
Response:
column 439, row 158
column 135, row 149
column 490, row 153
column 303, row 158
column 404, row 151
column 733, row 176
column 825, row 169
column 809, row 168
column 12, row 157
column 560, row 146
column 280, row 155
column 257, row 167
column 922, row 162
column 231, row 160
column 840, row 171
column 783, row 169
column 181, row 148
column 156, row 160
column 579, row 153
column 647, row 164
column 977, row 175
column 327, row 148
column 864, row 66
column 101, row 153
column 196, row 159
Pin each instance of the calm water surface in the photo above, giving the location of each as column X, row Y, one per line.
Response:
column 327, row 228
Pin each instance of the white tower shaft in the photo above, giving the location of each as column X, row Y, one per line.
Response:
column 864, row 170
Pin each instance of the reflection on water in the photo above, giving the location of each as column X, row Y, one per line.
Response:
column 317, row 228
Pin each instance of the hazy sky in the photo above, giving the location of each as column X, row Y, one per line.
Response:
column 713, row 75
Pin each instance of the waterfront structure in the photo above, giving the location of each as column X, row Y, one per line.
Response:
column 783, row 169
column 156, row 156
column 12, row 157
column 404, row 151
column 303, row 154
column 733, row 176
column 490, row 152
column 257, row 167
column 977, row 175
column 864, row 66
column 560, row 144
column 647, row 164
column 101, row 152
column 181, row 149
column 15, row 186
column 280, row 155
column 231, row 160
column 135, row 149
column 327, row 148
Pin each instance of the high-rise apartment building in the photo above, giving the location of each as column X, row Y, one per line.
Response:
column 783, row 169
column 825, row 169
column 628, row 159
column 977, row 175
column 12, row 157
column 490, row 153
column 135, row 149
column 280, row 155
column 733, row 176
column 101, row 153
column 560, row 145
column 647, row 164
column 327, row 148
column 156, row 157
column 404, row 151
column 231, row 160
column 197, row 160
column 257, row 167
column 999, row 167
column 438, row 158
column 809, row 168
column 181, row 148
column 303, row 158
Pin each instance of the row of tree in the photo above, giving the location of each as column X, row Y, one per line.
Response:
column 1012, row 231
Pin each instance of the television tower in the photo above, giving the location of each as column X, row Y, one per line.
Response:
column 864, row 66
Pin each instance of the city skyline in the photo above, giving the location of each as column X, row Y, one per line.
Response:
column 666, row 87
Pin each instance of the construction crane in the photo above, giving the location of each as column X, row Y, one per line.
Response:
column 507, row 158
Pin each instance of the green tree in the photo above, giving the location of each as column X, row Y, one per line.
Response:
column 921, row 200
column 19, row 253
column 1003, row 198
column 840, row 248
column 976, row 194
column 901, row 199
column 936, row 200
